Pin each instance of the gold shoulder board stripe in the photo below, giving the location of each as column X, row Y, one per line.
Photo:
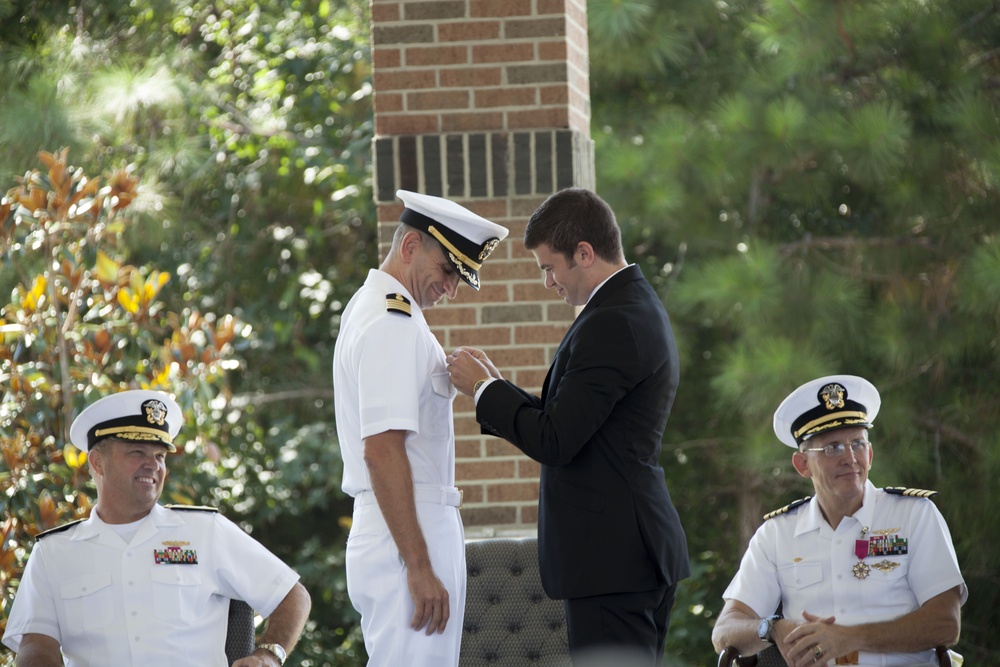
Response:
column 192, row 508
column 787, row 508
column 912, row 493
column 397, row 303
column 57, row 529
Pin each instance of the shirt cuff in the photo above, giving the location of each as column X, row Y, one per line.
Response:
column 482, row 387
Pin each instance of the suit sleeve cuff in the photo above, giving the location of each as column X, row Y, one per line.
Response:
column 482, row 388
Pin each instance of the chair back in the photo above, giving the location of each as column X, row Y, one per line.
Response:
column 509, row 620
column 771, row 657
column 240, row 633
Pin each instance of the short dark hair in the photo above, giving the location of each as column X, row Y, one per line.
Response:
column 571, row 216
column 403, row 229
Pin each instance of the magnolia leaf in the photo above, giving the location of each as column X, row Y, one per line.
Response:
column 107, row 268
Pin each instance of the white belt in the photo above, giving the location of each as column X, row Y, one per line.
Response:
column 438, row 495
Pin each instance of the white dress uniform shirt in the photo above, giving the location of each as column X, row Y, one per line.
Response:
column 108, row 602
column 797, row 559
column 390, row 373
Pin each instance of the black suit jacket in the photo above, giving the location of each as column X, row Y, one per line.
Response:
column 606, row 522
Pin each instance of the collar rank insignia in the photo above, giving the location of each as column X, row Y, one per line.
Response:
column 397, row 303
column 175, row 554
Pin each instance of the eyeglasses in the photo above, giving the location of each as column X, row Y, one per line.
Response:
column 837, row 449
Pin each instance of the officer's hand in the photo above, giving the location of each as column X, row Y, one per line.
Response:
column 430, row 600
column 815, row 642
column 259, row 658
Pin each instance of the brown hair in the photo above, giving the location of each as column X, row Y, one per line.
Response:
column 571, row 216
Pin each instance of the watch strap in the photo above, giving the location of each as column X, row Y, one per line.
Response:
column 277, row 650
column 768, row 636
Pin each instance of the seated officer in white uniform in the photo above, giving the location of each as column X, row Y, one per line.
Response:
column 138, row 583
column 406, row 549
column 863, row 576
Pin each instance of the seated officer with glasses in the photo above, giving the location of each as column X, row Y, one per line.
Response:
column 860, row 575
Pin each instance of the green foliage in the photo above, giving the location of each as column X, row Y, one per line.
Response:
column 82, row 324
column 812, row 185
column 814, row 189
column 248, row 126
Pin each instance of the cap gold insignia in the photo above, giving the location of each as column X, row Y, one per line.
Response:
column 488, row 248
column 833, row 396
column 156, row 412
column 473, row 278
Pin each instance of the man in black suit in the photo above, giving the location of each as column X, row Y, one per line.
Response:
column 611, row 543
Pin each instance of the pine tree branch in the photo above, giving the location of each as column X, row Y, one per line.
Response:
column 842, row 32
column 976, row 61
column 810, row 242
column 951, row 433
column 978, row 18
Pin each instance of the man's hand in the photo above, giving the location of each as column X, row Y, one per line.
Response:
column 259, row 658
column 815, row 642
column 430, row 600
column 467, row 366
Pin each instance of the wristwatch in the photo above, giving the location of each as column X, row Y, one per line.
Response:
column 480, row 383
column 277, row 649
column 766, row 629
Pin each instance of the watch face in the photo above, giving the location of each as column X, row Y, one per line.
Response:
column 764, row 629
column 277, row 649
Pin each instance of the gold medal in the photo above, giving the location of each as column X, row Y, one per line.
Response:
column 861, row 570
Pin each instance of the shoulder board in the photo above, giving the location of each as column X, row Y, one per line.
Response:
column 912, row 493
column 192, row 508
column 397, row 303
column 787, row 508
column 57, row 529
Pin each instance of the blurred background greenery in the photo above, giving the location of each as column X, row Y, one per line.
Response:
column 812, row 186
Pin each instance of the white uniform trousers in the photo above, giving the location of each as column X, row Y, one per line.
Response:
column 378, row 588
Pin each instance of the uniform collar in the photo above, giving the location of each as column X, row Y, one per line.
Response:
column 812, row 517
column 866, row 515
column 95, row 527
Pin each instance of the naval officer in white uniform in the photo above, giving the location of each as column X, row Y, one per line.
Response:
column 863, row 576
column 138, row 583
column 393, row 396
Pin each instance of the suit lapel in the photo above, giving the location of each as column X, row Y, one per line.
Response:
column 615, row 283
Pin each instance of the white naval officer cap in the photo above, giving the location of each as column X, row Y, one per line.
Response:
column 467, row 238
column 825, row 404
column 137, row 415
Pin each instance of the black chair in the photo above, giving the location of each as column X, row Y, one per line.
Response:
column 771, row 657
column 509, row 621
column 241, row 638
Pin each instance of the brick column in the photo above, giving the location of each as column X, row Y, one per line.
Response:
column 486, row 102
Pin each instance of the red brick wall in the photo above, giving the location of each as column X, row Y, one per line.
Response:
column 486, row 102
column 465, row 65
